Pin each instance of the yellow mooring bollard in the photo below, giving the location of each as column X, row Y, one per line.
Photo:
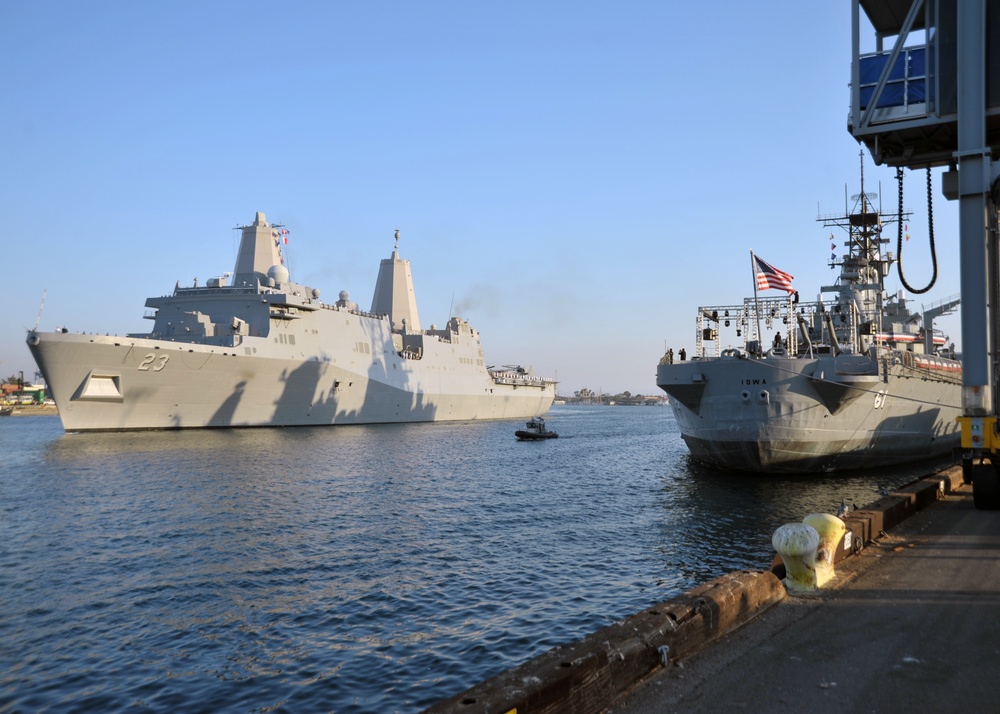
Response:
column 807, row 549
column 831, row 532
column 796, row 543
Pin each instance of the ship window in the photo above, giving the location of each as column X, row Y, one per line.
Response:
column 291, row 339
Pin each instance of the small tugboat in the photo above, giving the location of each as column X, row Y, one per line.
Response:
column 534, row 430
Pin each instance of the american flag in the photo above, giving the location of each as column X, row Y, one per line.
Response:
column 770, row 277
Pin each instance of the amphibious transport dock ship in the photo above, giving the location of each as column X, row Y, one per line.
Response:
column 848, row 382
column 265, row 351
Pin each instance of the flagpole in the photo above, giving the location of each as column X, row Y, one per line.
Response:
column 756, row 304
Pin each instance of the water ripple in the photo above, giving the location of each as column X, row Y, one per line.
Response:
column 355, row 569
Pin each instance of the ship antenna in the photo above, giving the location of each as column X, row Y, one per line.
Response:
column 397, row 240
column 864, row 198
column 864, row 206
column 39, row 318
column 861, row 157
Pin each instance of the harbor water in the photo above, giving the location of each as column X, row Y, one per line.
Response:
column 353, row 569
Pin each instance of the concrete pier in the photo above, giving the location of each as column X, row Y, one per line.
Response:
column 912, row 621
column 914, row 625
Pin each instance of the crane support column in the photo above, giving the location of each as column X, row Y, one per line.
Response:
column 973, row 158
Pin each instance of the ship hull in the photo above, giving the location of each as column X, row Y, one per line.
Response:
column 109, row 383
column 794, row 415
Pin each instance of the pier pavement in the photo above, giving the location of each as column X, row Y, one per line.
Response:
column 913, row 625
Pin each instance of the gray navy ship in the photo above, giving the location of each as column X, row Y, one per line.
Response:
column 260, row 350
column 854, row 380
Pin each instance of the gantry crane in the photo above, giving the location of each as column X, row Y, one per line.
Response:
column 929, row 96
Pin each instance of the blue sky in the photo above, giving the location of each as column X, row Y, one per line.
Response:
column 573, row 178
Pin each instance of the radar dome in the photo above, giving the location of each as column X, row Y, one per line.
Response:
column 279, row 273
column 344, row 295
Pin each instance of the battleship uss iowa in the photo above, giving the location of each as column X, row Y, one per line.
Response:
column 848, row 382
column 265, row 351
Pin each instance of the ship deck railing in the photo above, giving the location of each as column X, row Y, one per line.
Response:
column 764, row 314
column 517, row 379
column 932, row 366
column 352, row 310
column 205, row 290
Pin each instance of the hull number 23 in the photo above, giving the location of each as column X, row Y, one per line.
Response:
column 154, row 362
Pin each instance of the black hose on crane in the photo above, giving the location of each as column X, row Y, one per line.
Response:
column 930, row 225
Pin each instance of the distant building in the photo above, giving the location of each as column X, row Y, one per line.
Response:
column 12, row 392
